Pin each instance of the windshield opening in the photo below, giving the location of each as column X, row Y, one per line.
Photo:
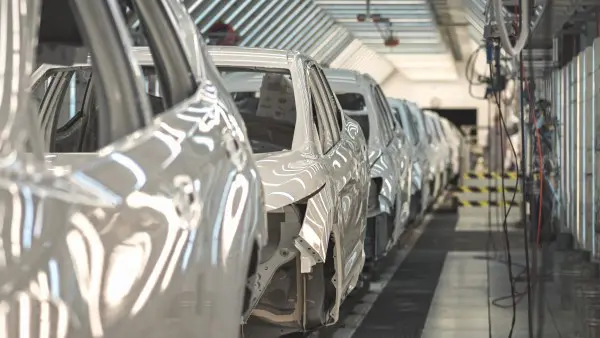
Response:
column 352, row 101
column 266, row 101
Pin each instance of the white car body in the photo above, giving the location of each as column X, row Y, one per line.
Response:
column 440, row 148
column 313, row 163
column 454, row 142
column 389, row 154
column 419, row 157
column 433, row 173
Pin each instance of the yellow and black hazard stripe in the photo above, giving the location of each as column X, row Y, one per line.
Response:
column 475, row 189
column 483, row 175
column 485, row 204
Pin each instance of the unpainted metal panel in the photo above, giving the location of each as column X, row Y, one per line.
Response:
column 588, row 146
column 596, row 141
column 578, row 153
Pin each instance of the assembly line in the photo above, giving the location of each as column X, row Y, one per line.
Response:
column 248, row 183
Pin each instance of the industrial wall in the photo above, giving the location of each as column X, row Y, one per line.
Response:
column 447, row 95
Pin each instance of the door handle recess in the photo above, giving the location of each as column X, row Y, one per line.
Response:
column 234, row 150
column 185, row 195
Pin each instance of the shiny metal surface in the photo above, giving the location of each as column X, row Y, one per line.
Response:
column 431, row 171
column 453, row 140
column 419, row 159
column 389, row 154
column 321, row 191
column 151, row 236
column 440, row 150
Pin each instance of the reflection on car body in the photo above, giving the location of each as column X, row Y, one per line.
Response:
column 313, row 164
column 149, row 228
column 461, row 155
column 419, row 158
column 441, row 150
column 453, row 141
column 389, row 160
column 433, row 174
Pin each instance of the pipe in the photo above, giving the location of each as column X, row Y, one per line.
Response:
column 504, row 39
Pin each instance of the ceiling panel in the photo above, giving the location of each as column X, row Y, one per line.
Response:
column 295, row 25
column 358, row 56
column 413, row 23
column 426, row 67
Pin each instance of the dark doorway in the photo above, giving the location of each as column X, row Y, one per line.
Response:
column 460, row 117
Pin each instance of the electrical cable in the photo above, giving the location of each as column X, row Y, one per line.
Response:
column 513, row 295
column 527, row 269
column 524, row 212
column 511, row 50
column 490, row 240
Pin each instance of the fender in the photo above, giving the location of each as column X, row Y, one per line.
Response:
column 384, row 167
column 313, row 238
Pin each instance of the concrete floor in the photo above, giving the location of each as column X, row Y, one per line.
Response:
column 461, row 306
column 453, row 293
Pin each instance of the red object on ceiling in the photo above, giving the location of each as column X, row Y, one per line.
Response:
column 391, row 42
column 224, row 31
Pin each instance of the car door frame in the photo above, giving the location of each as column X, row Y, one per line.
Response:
column 344, row 241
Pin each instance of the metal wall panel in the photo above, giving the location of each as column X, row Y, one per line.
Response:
column 579, row 111
column 572, row 197
column 595, row 161
column 588, row 146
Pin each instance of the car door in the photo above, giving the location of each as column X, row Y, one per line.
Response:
column 339, row 153
column 395, row 149
column 180, row 181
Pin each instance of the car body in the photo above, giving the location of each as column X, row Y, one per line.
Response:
column 454, row 140
column 419, row 158
column 145, row 226
column 432, row 173
column 313, row 163
column 444, row 144
column 389, row 157
column 441, row 150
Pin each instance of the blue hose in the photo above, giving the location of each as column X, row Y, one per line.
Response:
column 489, row 52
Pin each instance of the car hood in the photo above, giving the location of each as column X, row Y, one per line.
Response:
column 289, row 176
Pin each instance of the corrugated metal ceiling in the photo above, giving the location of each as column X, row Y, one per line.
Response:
column 413, row 24
column 283, row 24
column 328, row 31
column 357, row 56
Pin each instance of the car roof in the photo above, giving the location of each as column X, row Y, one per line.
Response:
column 347, row 80
column 255, row 57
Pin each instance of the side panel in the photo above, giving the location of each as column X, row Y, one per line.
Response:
column 313, row 238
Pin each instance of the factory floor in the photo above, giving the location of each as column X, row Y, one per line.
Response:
column 450, row 281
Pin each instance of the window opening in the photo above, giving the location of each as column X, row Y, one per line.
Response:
column 266, row 101
column 320, row 114
column 332, row 135
column 333, row 103
column 382, row 114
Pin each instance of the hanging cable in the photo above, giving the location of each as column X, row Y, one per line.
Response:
column 511, row 50
column 504, row 130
